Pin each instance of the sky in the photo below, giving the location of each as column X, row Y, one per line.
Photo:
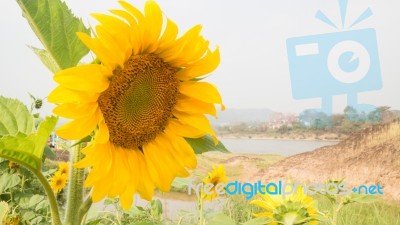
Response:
column 251, row 34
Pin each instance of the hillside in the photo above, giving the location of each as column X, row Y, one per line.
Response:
column 371, row 156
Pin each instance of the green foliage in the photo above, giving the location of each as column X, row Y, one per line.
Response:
column 3, row 210
column 14, row 118
column 239, row 209
column 136, row 215
column 22, row 143
column 18, row 142
column 8, row 181
column 219, row 218
column 56, row 27
column 205, row 144
column 376, row 213
column 28, row 149
column 258, row 221
column 23, row 194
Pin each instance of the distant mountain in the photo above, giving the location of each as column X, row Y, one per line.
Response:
column 235, row 116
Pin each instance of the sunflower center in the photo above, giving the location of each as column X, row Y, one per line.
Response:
column 139, row 100
column 59, row 182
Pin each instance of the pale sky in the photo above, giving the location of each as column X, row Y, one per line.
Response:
column 251, row 34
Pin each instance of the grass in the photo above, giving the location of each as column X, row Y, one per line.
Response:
column 378, row 213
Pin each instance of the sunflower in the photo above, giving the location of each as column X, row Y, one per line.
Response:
column 296, row 208
column 63, row 167
column 143, row 98
column 58, row 181
column 215, row 177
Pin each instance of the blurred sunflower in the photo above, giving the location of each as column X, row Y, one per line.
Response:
column 215, row 177
column 144, row 97
column 58, row 181
column 296, row 208
column 63, row 167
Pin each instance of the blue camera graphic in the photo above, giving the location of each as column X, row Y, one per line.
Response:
column 331, row 64
column 325, row 65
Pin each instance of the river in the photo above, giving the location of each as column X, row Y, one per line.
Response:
column 273, row 146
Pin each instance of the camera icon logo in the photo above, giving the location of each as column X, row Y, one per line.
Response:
column 332, row 64
column 325, row 65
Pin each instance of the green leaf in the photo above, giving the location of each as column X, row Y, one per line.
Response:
column 35, row 200
column 28, row 216
column 23, row 199
column 49, row 153
column 8, row 181
column 55, row 26
column 28, row 149
column 181, row 182
column 205, row 144
column 220, row 219
column 83, row 140
column 3, row 210
column 14, row 117
column 156, row 208
column 46, row 59
column 258, row 221
column 42, row 205
column 37, row 220
column 144, row 223
column 363, row 198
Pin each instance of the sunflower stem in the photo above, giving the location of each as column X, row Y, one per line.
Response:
column 55, row 215
column 335, row 213
column 200, row 205
column 75, row 188
column 84, row 209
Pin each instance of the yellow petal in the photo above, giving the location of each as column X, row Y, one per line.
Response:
column 100, row 191
column 183, row 150
column 196, row 120
column 192, row 52
column 145, row 184
column 64, row 95
column 191, row 105
column 183, row 130
column 174, row 51
column 121, row 170
column 99, row 160
column 171, row 156
column 132, row 10
column 114, row 49
column 126, row 198
column 169, row 35
column 103, row 134
column 133, row 30
column 79, row 128
column 91, row 78
column 201, row 91
column 75, row 110
column 119, row 30
column 204, row 66
column 140, row 20
column 99, row 50
column 154, row 22
column 160, row 175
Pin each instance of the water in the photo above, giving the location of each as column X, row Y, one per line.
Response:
column 272, row 146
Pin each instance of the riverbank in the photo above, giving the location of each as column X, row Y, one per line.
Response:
column 306, row 136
